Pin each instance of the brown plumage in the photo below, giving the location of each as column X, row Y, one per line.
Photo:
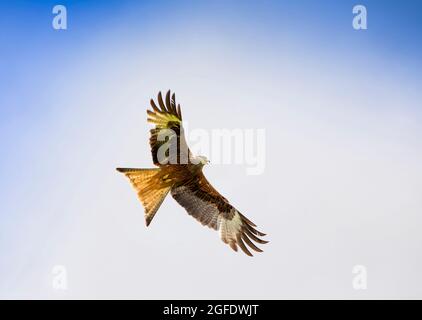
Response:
column 180, row 173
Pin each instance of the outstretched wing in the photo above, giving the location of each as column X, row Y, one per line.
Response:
column 205, row 204
column 167, row 140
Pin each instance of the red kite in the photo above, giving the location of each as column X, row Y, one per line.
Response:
column 180, row 173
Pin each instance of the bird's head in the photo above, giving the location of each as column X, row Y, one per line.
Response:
column 202, row 160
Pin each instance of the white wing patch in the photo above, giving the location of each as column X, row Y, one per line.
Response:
column 235, row 229
column 230, row 228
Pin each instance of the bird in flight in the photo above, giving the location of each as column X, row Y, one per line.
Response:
column 180, row 173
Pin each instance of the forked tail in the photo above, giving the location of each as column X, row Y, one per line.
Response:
column 150, row 187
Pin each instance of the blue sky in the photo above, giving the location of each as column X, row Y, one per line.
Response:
column 33, row 51
column 73, row 103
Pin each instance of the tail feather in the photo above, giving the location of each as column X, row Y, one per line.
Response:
column 149, row 187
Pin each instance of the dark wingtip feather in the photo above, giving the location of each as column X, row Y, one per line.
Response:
column 250, row 243
column 254, row 231
column 161, row 102
column 254, row 237
column 247, row 220
column 258, row 233
column 242, row 245
column 173, row 103
column 179, row 111
column 154, row 106
column 168, row 105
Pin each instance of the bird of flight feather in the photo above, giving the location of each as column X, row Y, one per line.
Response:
column 181, row 175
